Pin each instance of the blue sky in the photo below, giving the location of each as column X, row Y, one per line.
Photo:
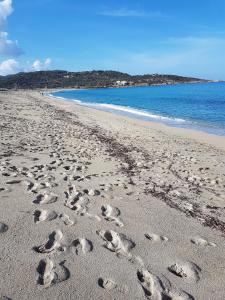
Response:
column 134, row 36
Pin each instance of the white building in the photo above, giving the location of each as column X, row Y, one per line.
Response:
column 121, row 83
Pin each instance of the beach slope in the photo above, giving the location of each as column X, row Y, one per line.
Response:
column 99, row 206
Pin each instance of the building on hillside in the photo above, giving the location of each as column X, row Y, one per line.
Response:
column 121, row 82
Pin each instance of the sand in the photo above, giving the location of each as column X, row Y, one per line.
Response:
column 99, row 206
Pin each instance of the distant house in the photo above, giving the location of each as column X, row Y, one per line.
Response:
column 121, row 82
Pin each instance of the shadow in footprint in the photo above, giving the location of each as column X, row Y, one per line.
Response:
column 38, row 199
column 3, row 227
column 111, row 214
column 46, row 198
column 46, row 275
column 117, row 242
column 106, row 284
column 64, row 273
column 82, row 246
column 44, row 215
column 51, row 244
column 145, row 283
column 188, row 270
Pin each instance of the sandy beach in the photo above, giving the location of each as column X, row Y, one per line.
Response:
column 99, row 206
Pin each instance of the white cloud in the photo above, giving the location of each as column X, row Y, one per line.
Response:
column 9, row 66
column 9, row 47
column 132, row 13
column 38, row 65
column 5, row 10
column 48, row 61
column 12, row 49
column 12, row 66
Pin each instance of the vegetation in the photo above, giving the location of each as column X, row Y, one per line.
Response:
column 64, row 79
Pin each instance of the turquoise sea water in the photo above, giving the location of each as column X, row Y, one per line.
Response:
column 196, row 106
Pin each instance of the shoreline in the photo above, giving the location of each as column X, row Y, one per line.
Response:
column 198, row 134
column 96, row 206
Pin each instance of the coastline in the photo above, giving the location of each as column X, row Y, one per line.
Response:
column 198, row 135
column 131, row 86
column 96, row 205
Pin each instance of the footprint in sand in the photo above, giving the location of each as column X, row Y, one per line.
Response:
column 77, row 203
column 155, row 288
column 82, row 246
column 42, row 186
column 150, row 284
column 80, row 178
column 117, row 242
column 109, row 285
column 5, row 174
column 28, row 184
column 3, row 227
column 52, row 244
column 70, row 192
column 156, row 238
column 62, row 272
column 46, row 276
column 66, row 220
column 68, row 168
column 111, row 214
column 44, row 215
column 73, row 196
column 93, row 192
column 13, row 181
column 186, row 270
column 46, row 198
column 202, row 242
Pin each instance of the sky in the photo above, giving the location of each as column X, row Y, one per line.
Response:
column 134, row 36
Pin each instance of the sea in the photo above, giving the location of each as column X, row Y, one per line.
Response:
column 197, row 106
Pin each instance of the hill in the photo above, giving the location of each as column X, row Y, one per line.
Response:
column 64, row 79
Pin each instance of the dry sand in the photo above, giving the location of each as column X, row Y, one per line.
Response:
column 99, row 206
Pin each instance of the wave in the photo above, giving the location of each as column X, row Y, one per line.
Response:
column 139, row 112
column 62, row 98
column 124, row 109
